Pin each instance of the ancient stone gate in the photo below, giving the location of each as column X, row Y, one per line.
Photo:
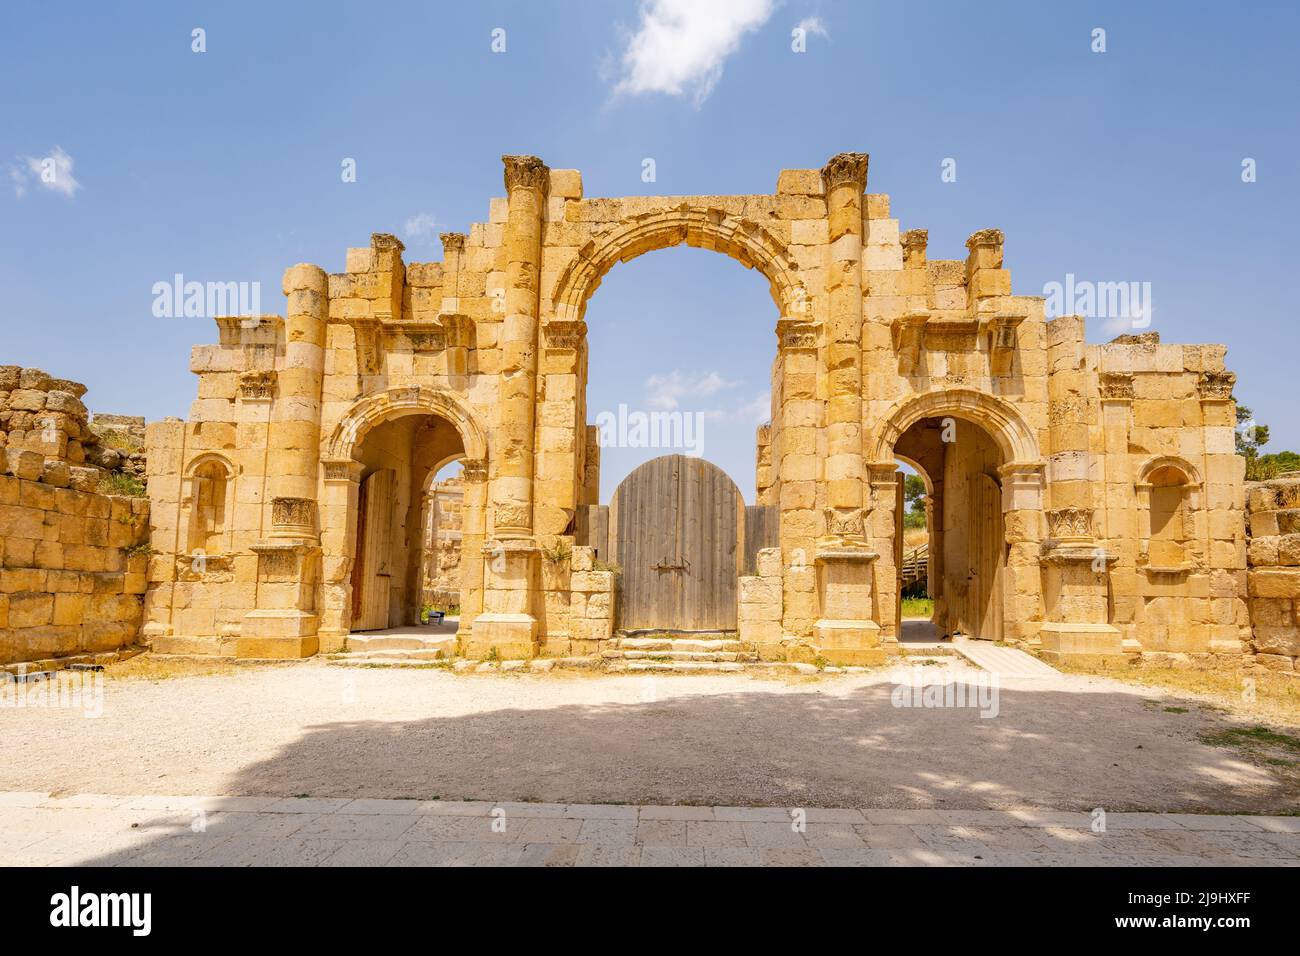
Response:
column 1118, row 495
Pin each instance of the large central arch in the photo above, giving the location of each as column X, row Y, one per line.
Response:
column 701, row 226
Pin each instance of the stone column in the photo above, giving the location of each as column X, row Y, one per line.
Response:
column 509, row 625
column 1075, row 566
column 845, row 632
column 1119, row 516
column 795, row 458
column 512, row 483
column 473, row 522
column 284, row 623
column 340, row 496
column 845, row 179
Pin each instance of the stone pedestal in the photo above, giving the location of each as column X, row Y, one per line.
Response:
column 284, row 623
column 508, row 628
column 1075, row 591
column 845, row 633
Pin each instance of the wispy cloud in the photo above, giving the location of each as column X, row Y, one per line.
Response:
column 52, row 172
column 422, row 226
column 668, row 391
column 813, row 26
column 680, row 46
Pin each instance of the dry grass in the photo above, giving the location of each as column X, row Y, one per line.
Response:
column 1254, row 695
column 915, row 537
column 149, row 667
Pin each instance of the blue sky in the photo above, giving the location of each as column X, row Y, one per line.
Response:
column 225, row 166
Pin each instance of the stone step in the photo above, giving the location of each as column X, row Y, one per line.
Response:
column 400, row 642
column 386, row 660
column 677, row 644
column 726, row 656
column 684, row 666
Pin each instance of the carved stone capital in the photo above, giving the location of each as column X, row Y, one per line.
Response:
column 1070, row 524
column 1216, row 386
column 564, row 334
column 846, row 169
column 527, row 172
column 257, row 386
column 474, row 469
column 345, row 469
column 293, row 517
column 386, row 242
column 845, row 523
column 914, row 242
column 1115, row 386
column 985, row 237
column 796, row 334
column 452, row 242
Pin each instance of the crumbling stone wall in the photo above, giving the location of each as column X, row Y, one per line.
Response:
column 1273, row 512
column 74, row 559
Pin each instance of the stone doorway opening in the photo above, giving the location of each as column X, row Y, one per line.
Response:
column 966, row 550
column 399, row 459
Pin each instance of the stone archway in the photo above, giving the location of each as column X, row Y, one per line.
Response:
column 340, row 499
column 1003, row 423
column 700, row 226
column 982, row 463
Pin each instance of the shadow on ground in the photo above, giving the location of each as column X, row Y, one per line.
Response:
column 812, row 748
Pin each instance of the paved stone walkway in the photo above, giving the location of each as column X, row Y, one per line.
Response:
column 104, row 830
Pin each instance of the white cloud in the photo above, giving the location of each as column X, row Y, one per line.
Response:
column 52, row 172
column 814, row 26
column 667, row 391
column 680, row 45
column 421, row 226
column 757, row 410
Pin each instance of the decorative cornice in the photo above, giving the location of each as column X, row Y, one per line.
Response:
column 527, row 172
column 846, row 169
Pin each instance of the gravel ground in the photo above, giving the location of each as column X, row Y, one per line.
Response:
column 569, row 737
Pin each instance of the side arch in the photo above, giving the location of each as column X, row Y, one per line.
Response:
column 392, row 403
column 701, row 226
column 1153, row 465
column 1012, row 434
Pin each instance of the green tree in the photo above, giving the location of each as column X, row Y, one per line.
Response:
column 1251, row 437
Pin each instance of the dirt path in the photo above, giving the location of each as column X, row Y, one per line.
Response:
column 309, row 728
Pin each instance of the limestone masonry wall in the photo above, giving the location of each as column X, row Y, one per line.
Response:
column 1273, row 512
column 73, row 559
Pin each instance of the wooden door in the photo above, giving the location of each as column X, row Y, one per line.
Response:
column 675, row 523
column 371, row 575
column 987, row 558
